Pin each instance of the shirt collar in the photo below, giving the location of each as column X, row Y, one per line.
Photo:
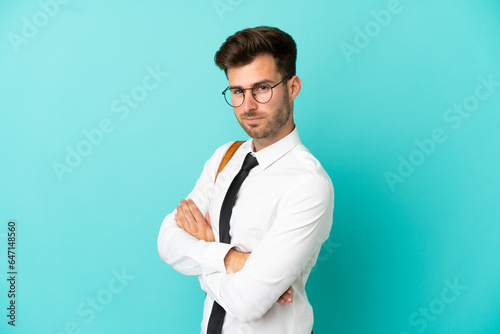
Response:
column 273, row 152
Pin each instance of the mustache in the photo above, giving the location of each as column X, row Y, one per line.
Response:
column 251, row 115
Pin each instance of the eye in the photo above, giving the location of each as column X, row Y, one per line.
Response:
column 261, row 89
column 236, row 91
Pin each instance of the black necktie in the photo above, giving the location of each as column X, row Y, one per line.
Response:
column 217, row 316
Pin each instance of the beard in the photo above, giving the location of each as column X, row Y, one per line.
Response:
column 272, row 122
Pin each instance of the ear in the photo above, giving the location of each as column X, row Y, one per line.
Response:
column 293, row 85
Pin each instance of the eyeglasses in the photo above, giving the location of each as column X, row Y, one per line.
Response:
column 261, row 92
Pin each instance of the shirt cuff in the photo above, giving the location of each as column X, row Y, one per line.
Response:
column 213, row 257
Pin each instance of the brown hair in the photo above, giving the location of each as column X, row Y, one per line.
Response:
column 244, row 46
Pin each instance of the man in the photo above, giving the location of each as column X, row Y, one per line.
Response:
column 279, row 217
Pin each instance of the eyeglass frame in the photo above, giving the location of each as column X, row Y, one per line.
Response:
column 244, row 89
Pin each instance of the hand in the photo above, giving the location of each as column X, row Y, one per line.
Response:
column 235, row 261
column 190, row 219
column 286, row 297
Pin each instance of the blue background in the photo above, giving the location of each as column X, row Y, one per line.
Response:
column 397, row 244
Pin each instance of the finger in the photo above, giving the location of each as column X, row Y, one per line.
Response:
column 289, row 293
column 177, row 220
column 182, row 218
column 207, row 218
column 188, row 215
column 197, row 215
column 285, row 298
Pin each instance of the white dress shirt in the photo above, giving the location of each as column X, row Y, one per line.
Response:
column 282, row 214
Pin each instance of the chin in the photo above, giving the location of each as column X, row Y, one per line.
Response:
column 258, row 135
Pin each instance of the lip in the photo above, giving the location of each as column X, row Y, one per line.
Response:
column 252, row 120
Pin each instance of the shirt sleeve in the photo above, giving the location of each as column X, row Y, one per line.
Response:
column 303, row 222
column 182, row 251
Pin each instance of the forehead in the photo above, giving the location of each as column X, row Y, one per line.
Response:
column 263, row 67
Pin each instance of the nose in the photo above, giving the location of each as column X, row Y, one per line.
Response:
column 249, row 103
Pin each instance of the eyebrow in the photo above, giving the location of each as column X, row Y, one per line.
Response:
column 254, row 84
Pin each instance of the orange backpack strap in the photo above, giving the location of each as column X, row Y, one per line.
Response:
column 227, row 156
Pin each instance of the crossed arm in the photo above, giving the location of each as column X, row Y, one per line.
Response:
column 247, row 285
column 191, row 220
column 251, row 282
